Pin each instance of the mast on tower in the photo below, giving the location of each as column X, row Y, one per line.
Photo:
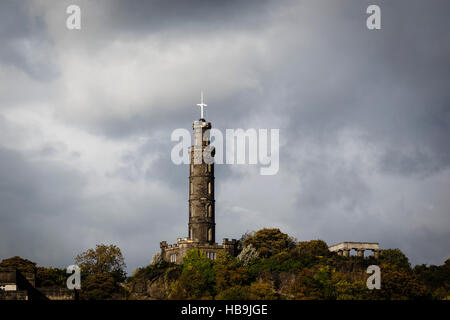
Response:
column 201, row 105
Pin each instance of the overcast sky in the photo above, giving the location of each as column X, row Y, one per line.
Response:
column 86, row 117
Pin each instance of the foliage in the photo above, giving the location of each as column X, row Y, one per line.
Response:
column 399, row 284
column 262, row 291
column 394, row 257
column 270, row 266
column 51, row 277
column 104, row 259
column 101, row 286
column 23, row 265
column 345, row 289
column 269, row 242
column 305, row 286
column 151, row 271
column 282, row 269
column 197, row 280
column 313, row 249
column 234, row 293
column 436, row 278
column 228, row 272
column 102, row 271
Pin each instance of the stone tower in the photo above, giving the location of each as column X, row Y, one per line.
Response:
column 201, row 186
column 202, row 224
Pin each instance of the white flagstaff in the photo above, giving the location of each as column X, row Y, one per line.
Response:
column 201, row 105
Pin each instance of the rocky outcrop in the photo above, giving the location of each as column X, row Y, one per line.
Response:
column 155, row 287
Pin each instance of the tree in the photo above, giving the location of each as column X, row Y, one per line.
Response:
column 100, row 286
column 306, row 286
column 197, row 278
column 102, row 270
column 103, row 259
column 313, row 248
column 234, row 293
column 399, row 284
column 345, row 289
column 262, row 291
column 436, row 278
column 228, row 272
column 51, row 277
column 269, row 241
column 23, row 265
column 394, row 257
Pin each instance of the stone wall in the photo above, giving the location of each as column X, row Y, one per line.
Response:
column 14, row 295
column 184, row 245
column 58, row 293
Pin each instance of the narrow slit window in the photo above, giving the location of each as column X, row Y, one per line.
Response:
column 210, row 211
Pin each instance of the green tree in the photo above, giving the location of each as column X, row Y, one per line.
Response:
column 100, row 286
column 197, row 280
column 269, row 241
column 313, row 248
column 102, row 270
column 346, row 289
column 394, row 257
column 228, row 272
column 23, row 265
column 305, row 286
column 436, row 278
column 51, row 277
column 262, row 291
column 234, row 293
column 399, row 284
column 104, row 259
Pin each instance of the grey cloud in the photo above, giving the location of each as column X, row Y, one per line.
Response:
column 323, row 74
column 23, row 36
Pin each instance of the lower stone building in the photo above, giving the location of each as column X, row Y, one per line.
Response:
column 15, row 285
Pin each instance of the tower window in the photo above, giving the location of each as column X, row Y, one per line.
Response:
column 209, row 210
column 209, row 234
column 173, row 258
column 209, row 187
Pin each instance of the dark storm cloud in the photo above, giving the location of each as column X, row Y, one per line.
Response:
column 21, row 35
column 46, row 217
column 188, row 16
column 36, row 198
column 391, row 83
